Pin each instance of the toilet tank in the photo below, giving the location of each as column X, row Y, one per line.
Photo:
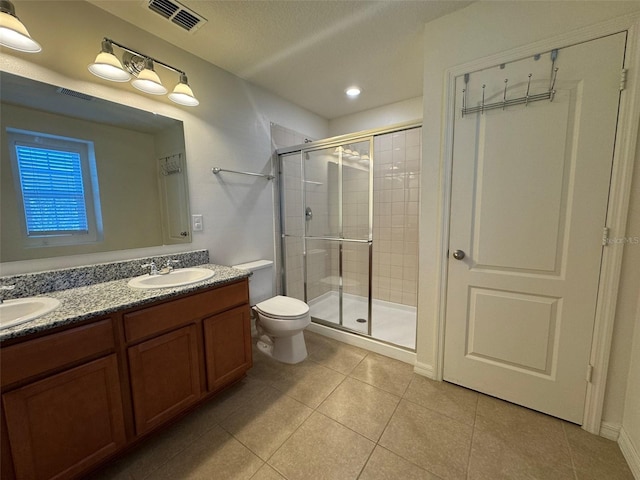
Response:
column 261, row 282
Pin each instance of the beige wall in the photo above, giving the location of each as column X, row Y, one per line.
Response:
column 629, row 282
column 120, row 154
column 631, row 417
column 400, row 112
column 490, row 28
column 229, row 129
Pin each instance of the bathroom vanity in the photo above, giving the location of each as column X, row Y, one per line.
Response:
column 80, row 390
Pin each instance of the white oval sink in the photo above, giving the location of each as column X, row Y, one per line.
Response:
column 21, row 310
column 176, row 278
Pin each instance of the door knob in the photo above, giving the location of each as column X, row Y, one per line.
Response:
column 458, row 254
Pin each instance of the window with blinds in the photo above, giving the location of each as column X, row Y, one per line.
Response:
column 52, row 191
column 57, row 185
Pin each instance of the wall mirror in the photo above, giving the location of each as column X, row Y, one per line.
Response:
column 135, row 170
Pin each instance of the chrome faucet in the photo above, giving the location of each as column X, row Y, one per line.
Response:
column 152, row 265
column 5, row 288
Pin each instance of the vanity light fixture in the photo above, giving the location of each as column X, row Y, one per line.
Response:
column 13, row 33
column 148, row 80
column 183, row 94
column 108, row 66
column 141, row 67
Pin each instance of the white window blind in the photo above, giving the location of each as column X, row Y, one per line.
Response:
column 52, row 191
column 56, row 183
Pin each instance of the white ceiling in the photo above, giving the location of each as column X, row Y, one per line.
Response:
column 308, row 52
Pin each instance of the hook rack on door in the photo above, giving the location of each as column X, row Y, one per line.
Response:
column 526, row 99
column 171, row 164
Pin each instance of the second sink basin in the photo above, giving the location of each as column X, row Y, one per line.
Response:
column 21, row 310
column 176, row 278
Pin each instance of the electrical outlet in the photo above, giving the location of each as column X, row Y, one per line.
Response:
column 196, row 223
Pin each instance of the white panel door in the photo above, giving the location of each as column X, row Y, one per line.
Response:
column 529, row 199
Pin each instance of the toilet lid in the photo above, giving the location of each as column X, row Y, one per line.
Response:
column 280, row 306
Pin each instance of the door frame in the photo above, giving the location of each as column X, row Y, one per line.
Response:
column 617, row 209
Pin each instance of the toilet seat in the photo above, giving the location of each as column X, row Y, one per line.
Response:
column 283, row 308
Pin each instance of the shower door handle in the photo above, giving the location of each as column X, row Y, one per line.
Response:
column 308, row 213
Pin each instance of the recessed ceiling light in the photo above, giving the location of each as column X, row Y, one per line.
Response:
column 352, row 91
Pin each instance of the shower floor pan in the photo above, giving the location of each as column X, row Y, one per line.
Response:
column 392, row 322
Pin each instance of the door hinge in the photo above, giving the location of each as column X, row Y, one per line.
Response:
column 623, row 79
column 605, row 236
column 589, row 373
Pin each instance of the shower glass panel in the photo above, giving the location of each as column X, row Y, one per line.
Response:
column 337, row 208
column 349, row 217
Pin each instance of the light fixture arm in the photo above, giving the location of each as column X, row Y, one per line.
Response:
column 140, row 54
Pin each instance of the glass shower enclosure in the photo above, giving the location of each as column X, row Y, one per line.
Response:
column 329, row 250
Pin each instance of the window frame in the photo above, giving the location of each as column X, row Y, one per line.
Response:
column 86, row 152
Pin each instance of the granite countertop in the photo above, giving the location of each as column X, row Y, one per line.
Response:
column 83, row 303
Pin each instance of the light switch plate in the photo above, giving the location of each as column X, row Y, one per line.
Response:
column 196, row 223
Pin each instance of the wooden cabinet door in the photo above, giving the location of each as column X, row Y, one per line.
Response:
column 227, row 339
column 165, row 376
column 66, row 423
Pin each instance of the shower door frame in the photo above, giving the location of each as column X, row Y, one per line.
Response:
column 334, row 142
column 340, row 238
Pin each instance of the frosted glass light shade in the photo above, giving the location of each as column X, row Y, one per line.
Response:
column 148, row 80
column 183, row 94
column 107, row 66
column 13, row 33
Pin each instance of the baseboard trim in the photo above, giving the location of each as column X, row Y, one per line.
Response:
column 630, row 452
column 610, row 431
column 425, row 370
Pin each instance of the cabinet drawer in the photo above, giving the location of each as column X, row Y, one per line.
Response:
column 175, row 313
column 52, row 352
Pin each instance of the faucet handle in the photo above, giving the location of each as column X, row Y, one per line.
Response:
column 5, row 288
column 171, row 262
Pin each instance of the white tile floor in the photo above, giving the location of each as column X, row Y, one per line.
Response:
column 392, row 322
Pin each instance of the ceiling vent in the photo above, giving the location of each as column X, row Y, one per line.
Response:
column 73, row 93
column 177, row 14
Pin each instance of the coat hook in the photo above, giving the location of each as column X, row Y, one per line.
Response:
column 464, row 101
column 504, row 95
column 526, row 97
column 552, row 90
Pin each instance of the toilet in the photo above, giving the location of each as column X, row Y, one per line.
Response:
column 280, row 320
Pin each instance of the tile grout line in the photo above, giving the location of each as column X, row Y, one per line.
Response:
column 566, row 438
column 473, row 434
column 171, row 457
column 313, row 410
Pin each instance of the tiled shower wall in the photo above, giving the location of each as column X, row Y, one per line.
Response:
column 396, row 196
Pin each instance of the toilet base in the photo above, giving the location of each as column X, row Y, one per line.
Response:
column 290, row 349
